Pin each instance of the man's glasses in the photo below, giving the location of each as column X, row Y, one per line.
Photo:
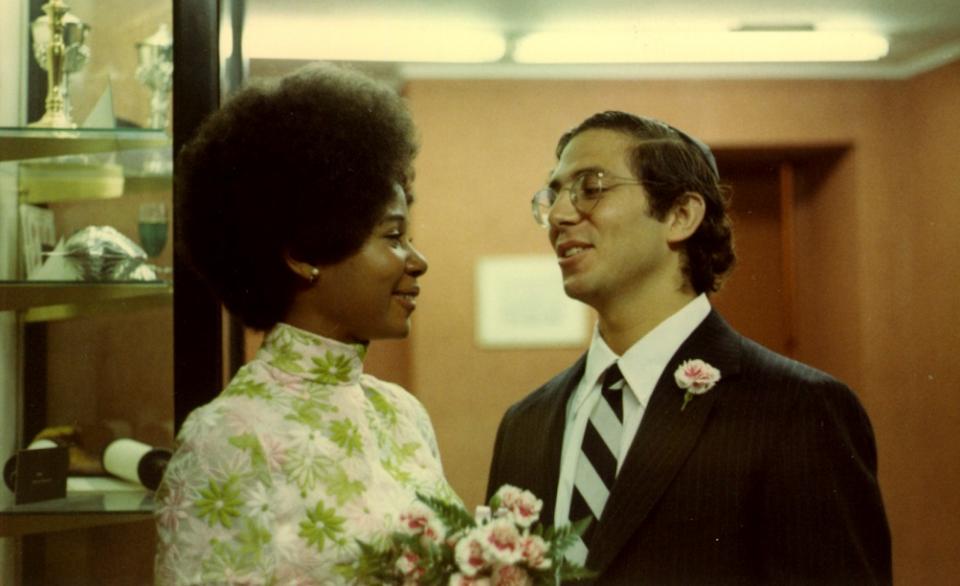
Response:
column 585, row 191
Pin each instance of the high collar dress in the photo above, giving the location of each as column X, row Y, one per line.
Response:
column 275, row 480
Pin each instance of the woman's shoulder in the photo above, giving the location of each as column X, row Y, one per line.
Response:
column 249, row 402
column 394, row 404
column 389, row 391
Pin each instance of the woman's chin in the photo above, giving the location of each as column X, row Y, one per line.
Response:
column 397, row 332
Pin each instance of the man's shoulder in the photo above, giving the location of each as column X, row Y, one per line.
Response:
column 758, row 361
column 795, row 383
column 748, row 360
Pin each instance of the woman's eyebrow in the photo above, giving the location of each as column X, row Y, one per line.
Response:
column 398, row 217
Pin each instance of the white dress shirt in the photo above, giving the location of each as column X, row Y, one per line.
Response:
column 641, row 365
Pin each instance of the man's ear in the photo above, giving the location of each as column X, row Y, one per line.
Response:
column 685, row 217
column 303, row 269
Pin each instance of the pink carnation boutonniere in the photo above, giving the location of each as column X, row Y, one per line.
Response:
column 696, row 377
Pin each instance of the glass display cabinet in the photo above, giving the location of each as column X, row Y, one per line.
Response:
column 84, row 288
column 88, row 302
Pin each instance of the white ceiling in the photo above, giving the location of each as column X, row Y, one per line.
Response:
column 923, row 34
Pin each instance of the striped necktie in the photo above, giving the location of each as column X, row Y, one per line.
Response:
column 597, row 463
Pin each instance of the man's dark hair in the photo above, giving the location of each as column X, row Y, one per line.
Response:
column 670, row 163
column 302, row 166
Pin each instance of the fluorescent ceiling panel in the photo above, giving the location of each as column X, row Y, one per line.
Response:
column 573, row 46
column 318, row 39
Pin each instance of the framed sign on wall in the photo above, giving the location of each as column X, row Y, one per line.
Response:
column 520, row 303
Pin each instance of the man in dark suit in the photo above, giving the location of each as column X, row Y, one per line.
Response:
column 702, row 457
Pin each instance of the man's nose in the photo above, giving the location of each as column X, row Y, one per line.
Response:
column 563, row 210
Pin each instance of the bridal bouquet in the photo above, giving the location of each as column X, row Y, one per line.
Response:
column 439, row 543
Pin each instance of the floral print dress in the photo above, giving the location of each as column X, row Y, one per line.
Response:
column 275, row 480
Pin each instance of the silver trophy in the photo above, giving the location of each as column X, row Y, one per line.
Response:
column 155, row 70
column 59, row 45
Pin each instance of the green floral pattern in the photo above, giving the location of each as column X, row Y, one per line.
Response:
column 331, row 369
column 303, row 454
column 322, row 524
column 219, row 503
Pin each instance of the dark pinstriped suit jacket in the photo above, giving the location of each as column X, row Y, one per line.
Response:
column 769, row 478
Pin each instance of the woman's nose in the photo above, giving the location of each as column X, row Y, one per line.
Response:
column 416, row 262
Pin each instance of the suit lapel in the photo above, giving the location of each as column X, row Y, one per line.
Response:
column 556, row 396
column 664, row 440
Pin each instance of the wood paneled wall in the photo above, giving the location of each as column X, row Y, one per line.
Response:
column 876, row 258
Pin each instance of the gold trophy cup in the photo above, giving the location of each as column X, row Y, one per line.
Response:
column 59, row 45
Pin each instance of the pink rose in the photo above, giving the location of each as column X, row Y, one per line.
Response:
column 469, row 554
column 408, row 564
column 533, row 549
column 522, row 505
column 418, row 519
column 511, row 576
column 459, row 579
column 501, row 540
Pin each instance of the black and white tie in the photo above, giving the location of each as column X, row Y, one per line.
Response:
column 597, row 463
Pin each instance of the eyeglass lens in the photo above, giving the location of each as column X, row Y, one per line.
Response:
column 584, row 193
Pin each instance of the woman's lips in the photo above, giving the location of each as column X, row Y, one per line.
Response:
column 407, row 298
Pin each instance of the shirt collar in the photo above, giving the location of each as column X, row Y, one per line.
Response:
column 312, row 357
column 644, row 361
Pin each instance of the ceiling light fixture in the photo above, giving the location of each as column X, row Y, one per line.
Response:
column 744, row 46
column 310, row 39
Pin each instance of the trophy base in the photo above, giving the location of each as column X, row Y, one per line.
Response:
column 54, row 120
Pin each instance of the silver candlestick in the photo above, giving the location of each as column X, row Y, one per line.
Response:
column 155, row 70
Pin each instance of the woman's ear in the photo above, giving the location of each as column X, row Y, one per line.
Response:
column 685, row 217
column 303, row 269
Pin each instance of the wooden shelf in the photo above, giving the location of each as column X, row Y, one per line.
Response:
column 33, row 143
column 49, row 301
